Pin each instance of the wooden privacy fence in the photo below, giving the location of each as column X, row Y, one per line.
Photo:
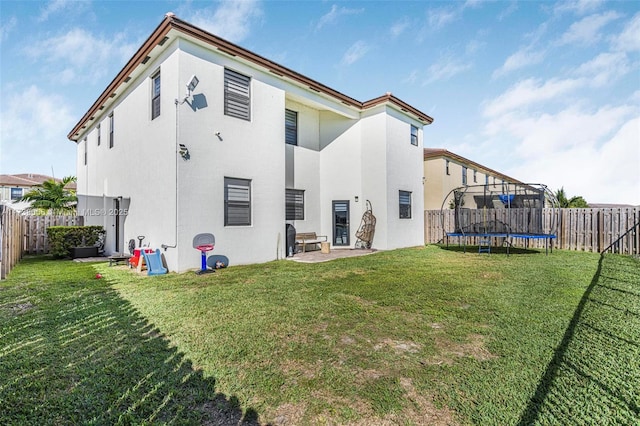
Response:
column 11, row 227
column 26, row 234
column 576, row 229
column 35, row 231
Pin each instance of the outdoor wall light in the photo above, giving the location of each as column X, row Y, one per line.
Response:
column 356, row 198
column 191, row 85
column 184, row 152
column 193, row 82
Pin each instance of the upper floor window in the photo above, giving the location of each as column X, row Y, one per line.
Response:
column 237, row 95
column 486, row 179
column 85, row 150
column 111, row 130
column 405, row 204
column 414, row 135
column 291, row 127
column 464, row 175
column 155, row 95
column 475, row 176
column 294, row 204
column 446, row 165
column 494, row 181
column 237, row 202
column 16, row 194
column 98, row 130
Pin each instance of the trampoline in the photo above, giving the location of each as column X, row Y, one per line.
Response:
column 507, row 211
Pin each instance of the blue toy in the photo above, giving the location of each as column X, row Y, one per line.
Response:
column 153, row 261
column 217, row 261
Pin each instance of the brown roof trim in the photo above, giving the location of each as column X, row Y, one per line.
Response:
column 155, row 38
column 172, row 22
column 26, row 179
column 388, row 97
column 440, row 152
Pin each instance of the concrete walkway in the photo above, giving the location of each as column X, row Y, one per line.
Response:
column 317, row 256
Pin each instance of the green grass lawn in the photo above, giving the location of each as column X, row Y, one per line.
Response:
column 413, row 336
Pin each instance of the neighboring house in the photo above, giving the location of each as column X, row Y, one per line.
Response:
column 445, row 171
column 13, row 187
column 251, row 147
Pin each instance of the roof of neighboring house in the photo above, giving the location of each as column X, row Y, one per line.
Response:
column 153, row 45
column 440, row 152
column 28, row 179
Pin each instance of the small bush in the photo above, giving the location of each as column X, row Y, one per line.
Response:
column 63, row 238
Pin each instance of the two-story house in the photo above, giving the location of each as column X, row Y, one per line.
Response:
column 13, row 187
column 445, row 171
column 196, row 134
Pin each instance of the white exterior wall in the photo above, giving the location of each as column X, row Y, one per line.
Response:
column 303, row 166
column 252, row 150
column 140, row 166
column 404, row 173
column 340, row 165
column 374, row 173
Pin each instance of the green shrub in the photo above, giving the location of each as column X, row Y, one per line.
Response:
column 63, row 238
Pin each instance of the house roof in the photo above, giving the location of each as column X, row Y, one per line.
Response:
column 163, row 33
column 440, row 152
column 28, row 179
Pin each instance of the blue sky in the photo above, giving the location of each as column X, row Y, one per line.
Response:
column 546, row 92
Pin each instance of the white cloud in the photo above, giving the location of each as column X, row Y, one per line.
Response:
column 355, row 52
column 80, row 56
column 521, row 59
column 399, row 27
column 513, row 6
column 445, row 69
column 602, row 169
column 55, row 6
column 587, row 30
column 579, row 7
column 411, row 78
column 7, row 27
column 335, row 13
column 32, row 133
column 529, row 92
column 605, row 68
column 231, row 20
column 629, row 39
column 474, row 46
column 438, row 18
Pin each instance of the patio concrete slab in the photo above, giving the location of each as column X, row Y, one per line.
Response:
column 317, row 255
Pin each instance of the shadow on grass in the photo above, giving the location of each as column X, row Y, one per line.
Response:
column 594, row 376
column 73, row 352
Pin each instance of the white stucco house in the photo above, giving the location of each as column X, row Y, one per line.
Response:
column 252, row 146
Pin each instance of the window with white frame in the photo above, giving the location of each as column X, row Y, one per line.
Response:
column 486, row 179
column 85, row 150
column 98, row 131
column 475, row 176
column 291, row 127
column 16, row 194
column 237, row 202
column 414, row 135
column 111, row 123
column 155, row 95
column 294, row 204
column 464, row 175
column 446, row 165
column 237, row 95
column 405, row 204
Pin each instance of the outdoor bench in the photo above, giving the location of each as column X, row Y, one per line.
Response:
column 308, row 238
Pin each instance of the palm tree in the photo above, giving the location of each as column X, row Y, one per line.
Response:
column 52, row 197
column 568, row 203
